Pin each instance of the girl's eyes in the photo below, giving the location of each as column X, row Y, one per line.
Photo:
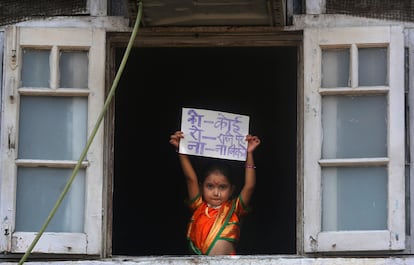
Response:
column 220, row 187
column 223, row 187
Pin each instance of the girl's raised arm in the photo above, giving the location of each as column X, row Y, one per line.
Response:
column 188, row 170
column 250, row 170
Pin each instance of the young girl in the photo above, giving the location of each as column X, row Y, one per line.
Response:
column 214, row 228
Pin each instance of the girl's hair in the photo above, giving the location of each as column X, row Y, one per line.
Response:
column 218, row 166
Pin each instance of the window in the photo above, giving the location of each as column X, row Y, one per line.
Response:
column 354, row 139
column 270, row 72
column 52, row 98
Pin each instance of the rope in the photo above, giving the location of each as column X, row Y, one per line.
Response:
column 90, row 140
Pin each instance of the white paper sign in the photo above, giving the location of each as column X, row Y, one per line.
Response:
column 214, row 134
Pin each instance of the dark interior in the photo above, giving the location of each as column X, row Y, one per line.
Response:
column 150, row 215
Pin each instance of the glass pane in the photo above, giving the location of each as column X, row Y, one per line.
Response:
column 335, row 68
column 37, row 192
column 372, row 70
column 354, row 199
column 52, row 127
column 354, row 126
column 35, row 68
column 73, row 67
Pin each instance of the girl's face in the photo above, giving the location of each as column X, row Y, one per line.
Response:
column 217, row 189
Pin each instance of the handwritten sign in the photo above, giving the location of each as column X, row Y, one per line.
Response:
column 214, row 134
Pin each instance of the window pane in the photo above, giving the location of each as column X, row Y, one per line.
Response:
column 35, row 68
column 52, row 127
column 372, row 70
column 335, row 68
column 37, row 192
column 73, row 69
column 354, row 199
column 354, row 126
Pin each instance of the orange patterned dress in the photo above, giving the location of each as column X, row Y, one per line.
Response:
column 207, row 225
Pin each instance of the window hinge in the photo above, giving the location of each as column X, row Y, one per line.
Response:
column 13, row 59
column 12, row 87
column 11, row 138
column 6, row 227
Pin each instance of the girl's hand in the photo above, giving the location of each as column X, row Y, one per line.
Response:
column 252, row 142
column 175, row 138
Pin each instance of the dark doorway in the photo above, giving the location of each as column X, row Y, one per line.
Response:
column 150, row 216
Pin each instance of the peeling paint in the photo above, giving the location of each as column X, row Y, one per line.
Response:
column 313, row 243
column 307, row 105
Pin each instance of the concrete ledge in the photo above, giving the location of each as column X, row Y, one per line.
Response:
column 222, row 260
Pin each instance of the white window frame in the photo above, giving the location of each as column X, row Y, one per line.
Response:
column 393, row 238
column 89, row 39
column 410, row 44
